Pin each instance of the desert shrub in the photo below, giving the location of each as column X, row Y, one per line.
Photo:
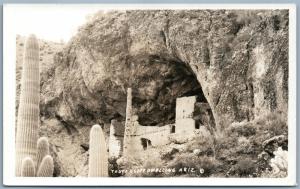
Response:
column 245, row 129
column 240, row 146
column 230, row 151
column 203, row 166
column 127, row 163
column 169, row 155
column 244, row 168
column 230, row 147
column 203, row 141
column 275, row 123
column 244, row 145
column 224, row 147
column 269, row 125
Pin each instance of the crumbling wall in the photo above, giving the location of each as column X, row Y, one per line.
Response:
column 130, row 127
column 116, row 137
column 157, row 135
column 185, row 106
column 138, row 137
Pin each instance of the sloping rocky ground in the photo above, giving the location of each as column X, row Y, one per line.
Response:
column 237, row 61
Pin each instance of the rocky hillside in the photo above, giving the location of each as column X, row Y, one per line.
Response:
column 237, row 61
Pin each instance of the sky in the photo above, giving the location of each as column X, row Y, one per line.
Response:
column 53, row 23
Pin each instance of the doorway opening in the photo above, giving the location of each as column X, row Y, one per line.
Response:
column 146, row 143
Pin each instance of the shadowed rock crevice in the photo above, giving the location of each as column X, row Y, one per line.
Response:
column 155, row 91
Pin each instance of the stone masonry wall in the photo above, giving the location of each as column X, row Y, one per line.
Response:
column 116, row 138
column 157, row 135
column 185, row 124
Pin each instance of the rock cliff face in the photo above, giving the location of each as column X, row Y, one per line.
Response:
column 237, row 61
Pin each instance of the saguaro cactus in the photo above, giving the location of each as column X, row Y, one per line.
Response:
column 42, row 149
column 28, row 113
column 28, row 169
column 46, row 168
column 98, row 157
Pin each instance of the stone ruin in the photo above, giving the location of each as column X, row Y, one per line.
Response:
column 185, row 124
column 190, row 116
column 116, row 137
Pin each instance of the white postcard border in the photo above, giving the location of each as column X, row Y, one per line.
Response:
column 9, row 91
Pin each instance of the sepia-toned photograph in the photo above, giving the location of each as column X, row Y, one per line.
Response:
column 133, row 93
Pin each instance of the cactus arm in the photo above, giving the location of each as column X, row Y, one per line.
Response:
column 42, row 149
column 46, row 168
column 27, row 168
